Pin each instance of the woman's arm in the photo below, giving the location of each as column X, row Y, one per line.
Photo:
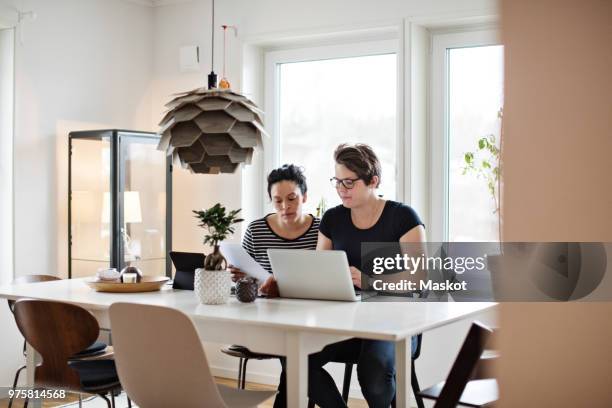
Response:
column 323, row 243
column 416, row 234
column 416, row 237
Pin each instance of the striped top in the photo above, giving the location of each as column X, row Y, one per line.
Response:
column 259, row 237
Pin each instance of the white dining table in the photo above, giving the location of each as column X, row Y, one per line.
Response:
column 293, row 328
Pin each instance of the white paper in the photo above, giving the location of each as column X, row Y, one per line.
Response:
column 240, row 258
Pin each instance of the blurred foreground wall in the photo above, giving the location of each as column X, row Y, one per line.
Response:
column 557, row 187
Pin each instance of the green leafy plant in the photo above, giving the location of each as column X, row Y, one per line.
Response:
column 484, row 162
column 218, row 223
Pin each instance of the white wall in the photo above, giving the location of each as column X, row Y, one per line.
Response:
column 268, row 23
column 80, row 64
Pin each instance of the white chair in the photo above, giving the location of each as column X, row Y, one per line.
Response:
column 161, row 362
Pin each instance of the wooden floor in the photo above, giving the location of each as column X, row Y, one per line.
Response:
column 72, row 399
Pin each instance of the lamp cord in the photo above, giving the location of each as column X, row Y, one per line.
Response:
column 212, row 77
column 224, row 48
column 212, row 59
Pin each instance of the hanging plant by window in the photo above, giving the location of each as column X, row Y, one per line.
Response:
column 484, row 163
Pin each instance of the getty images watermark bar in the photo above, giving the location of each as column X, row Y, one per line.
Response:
column 487, row 271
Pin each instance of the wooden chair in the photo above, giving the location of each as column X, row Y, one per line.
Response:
column 470, row 381
column 161, row 361
column 94, row 349
column 71, row 330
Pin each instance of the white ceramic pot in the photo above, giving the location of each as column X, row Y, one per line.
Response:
column 212, row 287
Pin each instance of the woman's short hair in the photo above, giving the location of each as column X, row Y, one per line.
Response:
column 360, row 159
column 287, row 172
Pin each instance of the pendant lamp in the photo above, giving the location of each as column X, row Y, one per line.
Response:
column 211, row 130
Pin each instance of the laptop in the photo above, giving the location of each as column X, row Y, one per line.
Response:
column 307, row 274
column 185, row 263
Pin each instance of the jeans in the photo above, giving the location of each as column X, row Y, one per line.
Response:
column 280, row 401
column 375, row 371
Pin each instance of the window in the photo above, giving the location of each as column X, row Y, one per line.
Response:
column 6, row 152
column 467, row 98
column 330, row 95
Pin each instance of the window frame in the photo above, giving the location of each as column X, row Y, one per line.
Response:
column 274, row 58
column 442, row 42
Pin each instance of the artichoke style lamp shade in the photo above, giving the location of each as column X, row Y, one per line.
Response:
column 211, row 130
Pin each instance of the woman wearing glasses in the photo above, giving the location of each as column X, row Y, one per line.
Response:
column 362, row 217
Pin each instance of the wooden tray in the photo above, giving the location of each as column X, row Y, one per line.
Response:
column 147, row 284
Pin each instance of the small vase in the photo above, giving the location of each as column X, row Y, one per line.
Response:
column 212, row 287
column 246, row 290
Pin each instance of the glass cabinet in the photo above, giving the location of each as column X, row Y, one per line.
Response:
column 119, row 203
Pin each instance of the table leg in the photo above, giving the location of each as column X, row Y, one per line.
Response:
column 32, row 358
column 297, row 371
column 402, row 372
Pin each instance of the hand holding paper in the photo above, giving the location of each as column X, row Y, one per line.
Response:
column 238, row 257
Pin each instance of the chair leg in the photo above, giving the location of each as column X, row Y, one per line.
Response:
column 244, row 366
column 311, row 403
column 80, row 400
column 416, row 389
column 25, row 403
column 10, row 404
column 129, row 401
column 239, row 382
column 112, row 394
column 108, row 403
column 346, row 383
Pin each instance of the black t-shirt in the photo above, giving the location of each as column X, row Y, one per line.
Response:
column 395, row 220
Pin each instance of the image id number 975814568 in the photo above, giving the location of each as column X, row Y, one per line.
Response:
column 36, row 393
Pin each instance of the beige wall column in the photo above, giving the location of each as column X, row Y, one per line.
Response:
column 557, row 187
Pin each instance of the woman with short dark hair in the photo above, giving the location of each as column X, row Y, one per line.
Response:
column 363, row 216
column 288, row 227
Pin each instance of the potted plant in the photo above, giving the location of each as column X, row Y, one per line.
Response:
column 485, row 163
column 212, row 283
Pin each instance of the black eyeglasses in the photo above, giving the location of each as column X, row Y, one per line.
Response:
column 347, row 182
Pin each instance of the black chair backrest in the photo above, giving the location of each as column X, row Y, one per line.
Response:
column 185, row 263
column 57, row 331
column 464, row 365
